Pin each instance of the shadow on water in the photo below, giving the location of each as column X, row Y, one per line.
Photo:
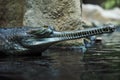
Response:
column 98, row 63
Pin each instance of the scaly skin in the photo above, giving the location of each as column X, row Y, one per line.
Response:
column 26, row 40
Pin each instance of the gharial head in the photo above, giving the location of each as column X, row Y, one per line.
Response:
column 48, row 36
column 37, row 39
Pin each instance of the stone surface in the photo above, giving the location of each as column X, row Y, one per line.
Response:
column 62, row 14
column 11, row 12
column 95, row 13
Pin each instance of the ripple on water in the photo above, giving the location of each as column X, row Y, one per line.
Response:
column 98, row 63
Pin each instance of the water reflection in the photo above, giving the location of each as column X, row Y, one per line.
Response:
column 98, row 63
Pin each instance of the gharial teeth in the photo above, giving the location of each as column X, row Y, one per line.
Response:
column 95, row 31
column 88, row 32
column 99, row 31
column 78, row 34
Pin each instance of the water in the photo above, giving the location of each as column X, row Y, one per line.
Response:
column 98, row 63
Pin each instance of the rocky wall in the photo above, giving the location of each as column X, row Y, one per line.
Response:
column 11, row 13
column 62, row 14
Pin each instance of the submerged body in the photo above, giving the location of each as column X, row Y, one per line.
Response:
column 26, row 40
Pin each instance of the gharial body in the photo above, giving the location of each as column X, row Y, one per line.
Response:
column 26, row 40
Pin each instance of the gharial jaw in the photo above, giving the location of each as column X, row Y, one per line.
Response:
column 56, row 36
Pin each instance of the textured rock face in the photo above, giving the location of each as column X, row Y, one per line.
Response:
column 62, row 14
column 11, row 12
column 95, row 13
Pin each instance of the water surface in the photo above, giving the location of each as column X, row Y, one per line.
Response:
column 98, row 63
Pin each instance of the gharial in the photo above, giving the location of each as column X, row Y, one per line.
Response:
column 26, row 40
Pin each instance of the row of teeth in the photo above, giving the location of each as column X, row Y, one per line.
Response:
column 85, row 33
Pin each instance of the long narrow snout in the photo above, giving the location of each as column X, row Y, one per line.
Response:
column 82, row 33
column 56, row 36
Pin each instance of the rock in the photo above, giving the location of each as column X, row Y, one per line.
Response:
column 62, row 14
column 11, row 13
column 95, row 13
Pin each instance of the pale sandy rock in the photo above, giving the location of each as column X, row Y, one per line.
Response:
column 95, row 13
column 62, row 14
